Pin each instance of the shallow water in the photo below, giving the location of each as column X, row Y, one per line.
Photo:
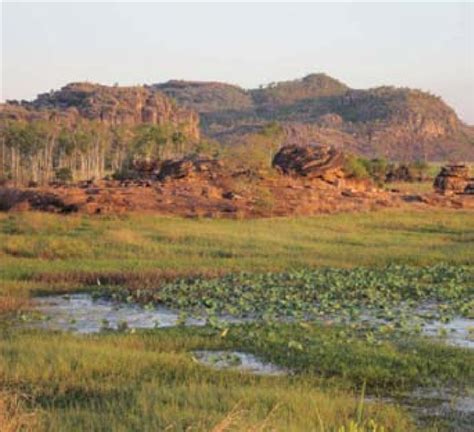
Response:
column 445, row 399
column 82, row 314
column 459, row 331
column 239, row 361
column 455, row 410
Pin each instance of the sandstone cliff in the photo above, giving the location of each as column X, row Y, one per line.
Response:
column 396, row 123
column 85, row 131
column 113, row 106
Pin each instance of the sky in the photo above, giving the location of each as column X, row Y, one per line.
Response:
column 422, row 45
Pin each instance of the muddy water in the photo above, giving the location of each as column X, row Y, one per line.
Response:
column 459, row 331
column 239, row 361
column 80, row 313
column 455, row 410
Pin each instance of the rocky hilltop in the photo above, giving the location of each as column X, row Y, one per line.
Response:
column 395, row 123
column 112, row 106
column 207, row 97
column 85, row 131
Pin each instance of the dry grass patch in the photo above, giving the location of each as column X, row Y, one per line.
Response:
column 15, row 416
column 126, row 236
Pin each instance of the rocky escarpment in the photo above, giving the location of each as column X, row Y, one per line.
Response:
column 112, row 106
column 395, row 123
column 219, row 104
column 313, row 86
column 207, row 97
column 85, row 131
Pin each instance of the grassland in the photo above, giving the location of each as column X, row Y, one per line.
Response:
column 32, row 243
column 41, row 252
column 148, row 380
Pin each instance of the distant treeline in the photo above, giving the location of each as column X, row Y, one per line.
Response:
column 41, row 152
column 381, row 170
column 44, row 151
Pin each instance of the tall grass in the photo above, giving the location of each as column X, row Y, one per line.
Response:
column 14, row 415
column 148, row 381
column 34, row 243
column 44, row 252
column 141, row 382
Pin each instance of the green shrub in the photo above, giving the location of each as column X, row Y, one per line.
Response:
column 208, row 148
column 355, row 167
column 377, row 169
column 420, row 168
column 63, row 175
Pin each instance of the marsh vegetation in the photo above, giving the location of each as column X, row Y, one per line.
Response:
column 339, row 303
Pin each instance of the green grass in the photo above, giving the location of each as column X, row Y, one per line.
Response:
column 149, row 381
column 78, row 249
column 350, row 359
column 38, row 242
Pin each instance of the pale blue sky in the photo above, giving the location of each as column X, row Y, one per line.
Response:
column 425, row 45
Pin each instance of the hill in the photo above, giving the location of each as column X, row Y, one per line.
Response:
column 396, row 123
column 114, row 106
column 86, row 130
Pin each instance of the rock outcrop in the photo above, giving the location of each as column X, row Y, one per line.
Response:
column 312, row 161
column 21, row 200
column 188, row 167
column 454, row 179
column 114, row 106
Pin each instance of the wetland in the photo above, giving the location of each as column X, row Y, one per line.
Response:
column 162, row 324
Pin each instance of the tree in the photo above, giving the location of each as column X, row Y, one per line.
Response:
column 150, row 142
column 35, row 150
column 179, row 140
column 64, row 175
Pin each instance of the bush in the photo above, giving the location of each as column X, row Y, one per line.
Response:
column 355, row 167
column 421, row 169
column 125, row 174
column 408, row 172
column 63, row 175
column 377, row 169
column 212, row 149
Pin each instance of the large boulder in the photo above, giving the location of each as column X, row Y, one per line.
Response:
column 17, row 199
column 453, row 179
column 189, row 167
column 311, row 161
column 145, row 167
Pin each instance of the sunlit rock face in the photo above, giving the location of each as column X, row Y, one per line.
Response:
column 394, row 123
column 111, row 105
